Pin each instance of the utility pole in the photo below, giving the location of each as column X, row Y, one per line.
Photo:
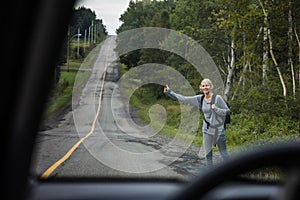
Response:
column 78, row 40
column 84, row 45
column 92, row 32
column 68, row 48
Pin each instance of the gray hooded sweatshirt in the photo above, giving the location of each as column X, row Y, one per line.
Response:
column 215, row 117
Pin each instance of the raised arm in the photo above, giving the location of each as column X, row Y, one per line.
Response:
column 192, row 100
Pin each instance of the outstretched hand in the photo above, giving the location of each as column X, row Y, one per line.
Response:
column 166, row 88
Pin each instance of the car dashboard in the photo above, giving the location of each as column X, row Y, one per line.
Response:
column 147, row 190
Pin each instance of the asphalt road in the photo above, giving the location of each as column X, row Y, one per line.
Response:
column 101, row 136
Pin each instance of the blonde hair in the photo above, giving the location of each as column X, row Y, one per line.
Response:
column 206, row 80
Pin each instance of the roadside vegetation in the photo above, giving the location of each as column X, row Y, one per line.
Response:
column 263, row 94
column 255, row 45
column 68, row 65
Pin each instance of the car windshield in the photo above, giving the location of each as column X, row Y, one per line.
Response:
column 168, row 89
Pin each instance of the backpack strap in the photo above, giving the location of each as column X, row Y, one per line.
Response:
column 200, row 107
column 213, row 99
column 201, row 101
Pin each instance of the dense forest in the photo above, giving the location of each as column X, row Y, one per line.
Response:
column 255, row 45
column 90, row 30
column 82, row 35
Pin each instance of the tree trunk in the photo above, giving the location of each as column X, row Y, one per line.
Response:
column 271, row 51
column 298, row 41
column 290, row 52
column 231, row 67
column 265, row 61
column 247, row 65
column 276, row 65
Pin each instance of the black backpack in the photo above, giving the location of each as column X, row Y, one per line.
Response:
column 213, row 99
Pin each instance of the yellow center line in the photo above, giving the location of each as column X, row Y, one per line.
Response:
column 49, row 171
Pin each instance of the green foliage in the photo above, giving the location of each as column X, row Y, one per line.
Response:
column 61, row 94
column 62, row 91
column 260, row 112
column 255, row 129
column 83, row 18
column 143, row 14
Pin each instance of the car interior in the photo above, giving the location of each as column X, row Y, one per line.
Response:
column 35, row 30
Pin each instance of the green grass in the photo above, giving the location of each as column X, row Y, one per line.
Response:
column 62, row 93
column 171, row 128
column 245, row 129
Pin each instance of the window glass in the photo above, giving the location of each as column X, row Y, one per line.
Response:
column 168, row 89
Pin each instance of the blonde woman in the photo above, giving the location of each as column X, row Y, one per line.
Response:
column 213, row 127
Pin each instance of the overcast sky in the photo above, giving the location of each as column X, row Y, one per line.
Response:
column 107, row 10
